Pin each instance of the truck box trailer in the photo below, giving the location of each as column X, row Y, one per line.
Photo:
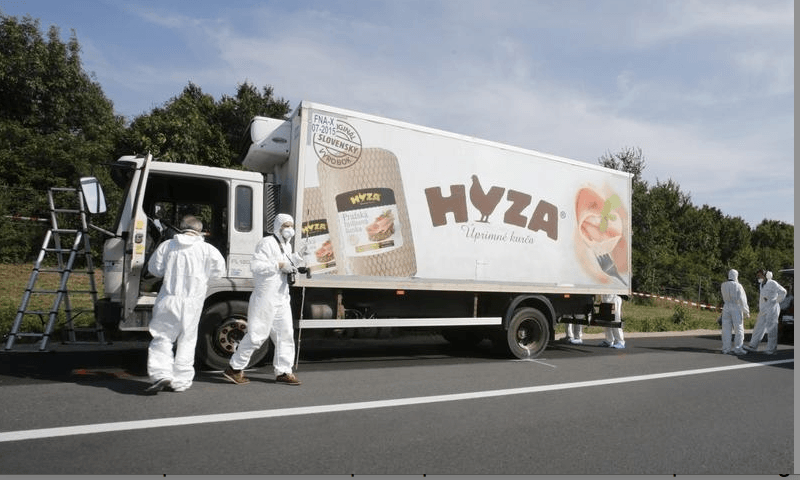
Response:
column 401, row 226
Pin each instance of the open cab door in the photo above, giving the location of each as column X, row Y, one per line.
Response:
column 136, row 309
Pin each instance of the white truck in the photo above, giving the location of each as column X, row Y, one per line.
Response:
column 401, row 226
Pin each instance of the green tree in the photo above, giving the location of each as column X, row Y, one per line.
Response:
column 734, row 237
column 194, row 128
column 234, row 113
column 700, row 246
column 55, row 124
column 629, row 159
column 182, row 131
column 774, row 243
column 659, row 245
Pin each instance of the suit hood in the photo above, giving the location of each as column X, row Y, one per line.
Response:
column 280, row 219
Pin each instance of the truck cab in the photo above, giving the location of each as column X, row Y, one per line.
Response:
column 156, row 196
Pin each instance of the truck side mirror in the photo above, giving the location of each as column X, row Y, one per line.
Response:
column 93, row 195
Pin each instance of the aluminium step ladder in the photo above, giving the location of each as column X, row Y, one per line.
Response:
column 74, row 226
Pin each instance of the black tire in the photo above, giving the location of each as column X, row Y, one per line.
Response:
column 785, row 333
column 222, row 326
column 528, row 333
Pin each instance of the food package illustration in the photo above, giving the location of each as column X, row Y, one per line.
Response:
column 367, row 215
column 600, row 242
column 315, row 237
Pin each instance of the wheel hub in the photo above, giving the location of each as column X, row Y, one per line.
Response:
column 525, row 335
column 522, row 334
column 230, row 333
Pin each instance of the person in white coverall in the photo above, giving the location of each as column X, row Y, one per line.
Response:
column 269, row 313
column 186, row 263
column 733, row 312
column 574, row 333
column 771, row 294
column 614, row 336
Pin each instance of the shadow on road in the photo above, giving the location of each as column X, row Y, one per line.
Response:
column 113, row 366
column 121, row 367
column 712, row 344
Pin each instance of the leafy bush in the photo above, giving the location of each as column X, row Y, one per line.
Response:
column 679, row 315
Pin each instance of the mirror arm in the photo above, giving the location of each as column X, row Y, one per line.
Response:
column 101, row 230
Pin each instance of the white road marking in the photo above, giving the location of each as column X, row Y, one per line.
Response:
column 19, row 435
column 534, row 361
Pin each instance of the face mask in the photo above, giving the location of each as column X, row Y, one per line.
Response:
column 287, row 233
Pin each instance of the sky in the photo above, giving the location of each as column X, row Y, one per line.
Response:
column 704, row 88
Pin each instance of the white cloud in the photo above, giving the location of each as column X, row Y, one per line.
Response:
column 774, row 69
column 162, row 17
column 492, row 73
column 681, row 19
column 704, row 87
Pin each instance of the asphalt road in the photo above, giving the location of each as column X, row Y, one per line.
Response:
column 414, row 406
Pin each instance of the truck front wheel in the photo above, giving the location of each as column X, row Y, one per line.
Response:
column 528, row 333
column 222, row 327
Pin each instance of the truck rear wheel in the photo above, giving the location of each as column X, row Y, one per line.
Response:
column 222, row 327
column 528, row 333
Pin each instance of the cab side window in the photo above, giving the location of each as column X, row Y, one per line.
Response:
column 244, row 209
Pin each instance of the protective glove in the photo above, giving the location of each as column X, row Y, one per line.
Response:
column 287, row 267
column 303, row 250
column 297, row 259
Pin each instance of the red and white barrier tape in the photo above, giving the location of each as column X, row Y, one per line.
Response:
column 676, row 300
column 29, row 219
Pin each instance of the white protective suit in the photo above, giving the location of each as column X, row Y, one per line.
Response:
column 771, row 294
column 186, row 263
column 574, row 333
column 614, row 336
column 733, row 312
column 269, row 313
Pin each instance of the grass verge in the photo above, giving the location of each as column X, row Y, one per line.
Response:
column 665, row 316
column 14, row 279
